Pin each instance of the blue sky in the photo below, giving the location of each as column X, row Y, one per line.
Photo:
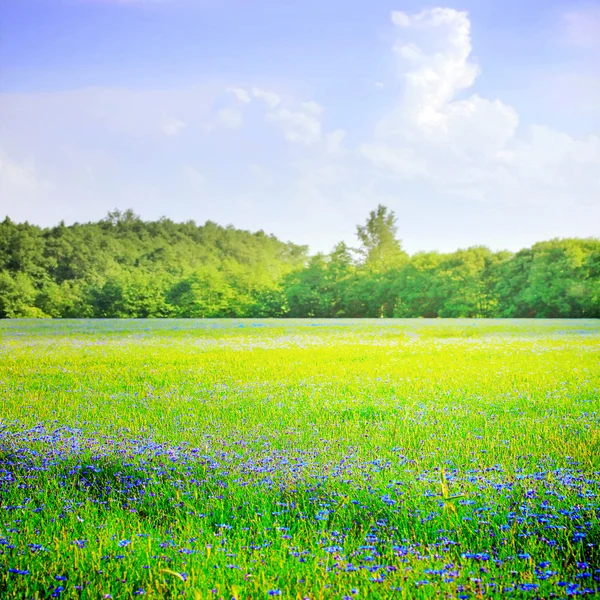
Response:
column 477, row 122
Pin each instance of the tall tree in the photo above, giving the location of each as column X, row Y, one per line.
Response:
column 380, row 248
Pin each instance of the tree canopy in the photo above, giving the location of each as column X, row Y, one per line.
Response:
column 123, row 266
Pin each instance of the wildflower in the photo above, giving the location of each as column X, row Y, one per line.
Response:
column 528, row 587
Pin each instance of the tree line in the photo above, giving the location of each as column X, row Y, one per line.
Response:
column 123, row 266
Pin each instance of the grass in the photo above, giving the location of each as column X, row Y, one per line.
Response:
column 301, row 459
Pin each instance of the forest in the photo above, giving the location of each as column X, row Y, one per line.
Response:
column 123, row 266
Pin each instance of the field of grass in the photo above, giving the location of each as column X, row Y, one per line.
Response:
column 300, row 459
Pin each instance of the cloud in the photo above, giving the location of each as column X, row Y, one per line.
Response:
column 270, row 98
column 472, row 146
column 438, row 68
column 241, row 94
column 433, row 55
column 297, row 127
column 312, row 107
column 172, row 127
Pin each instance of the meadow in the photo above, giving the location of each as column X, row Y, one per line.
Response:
column 299, row 459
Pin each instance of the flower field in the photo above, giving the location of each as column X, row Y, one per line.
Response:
column 299, row 459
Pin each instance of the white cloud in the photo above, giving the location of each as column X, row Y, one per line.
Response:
column 312, row 107
column 224, row 118
column 172, row 127
column 470, row 146
column 241, row 94
column 439, row 66
column 297, row 127
column 270, row 98
column 433, row 54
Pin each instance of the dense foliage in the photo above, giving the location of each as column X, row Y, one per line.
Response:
column 125, row 267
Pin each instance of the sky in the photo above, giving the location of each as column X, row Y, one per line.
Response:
column 477, row 122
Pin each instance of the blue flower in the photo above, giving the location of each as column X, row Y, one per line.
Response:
column 528, row 587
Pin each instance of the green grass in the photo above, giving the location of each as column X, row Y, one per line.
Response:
column 318, row 459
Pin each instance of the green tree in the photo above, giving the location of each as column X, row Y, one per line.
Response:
column 379, row 247
column 204, row 294
column 462, row 283
column 308, row 290
column 559, row 282
column 418, row 295
column 123, row 266
column 17, row 297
